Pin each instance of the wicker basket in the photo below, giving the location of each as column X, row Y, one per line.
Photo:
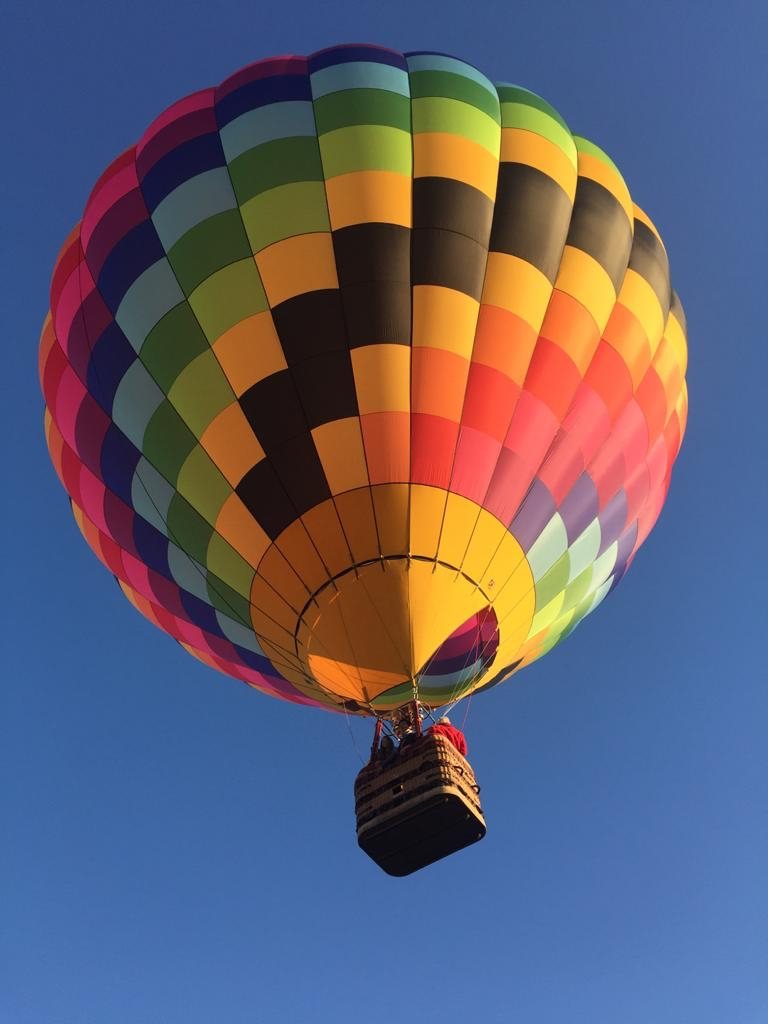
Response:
column 418, row 807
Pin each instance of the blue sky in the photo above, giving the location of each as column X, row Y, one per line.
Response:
column 178, row 848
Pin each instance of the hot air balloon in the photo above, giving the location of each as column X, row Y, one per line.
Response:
column 365, row 378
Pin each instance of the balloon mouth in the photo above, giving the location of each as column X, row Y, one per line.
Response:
column 435, row 633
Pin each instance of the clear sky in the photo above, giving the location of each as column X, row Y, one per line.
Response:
column 179, row 849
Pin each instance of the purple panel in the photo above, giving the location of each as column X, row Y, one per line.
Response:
column 275, row 88
column 579, row 507
column 612, row 520
column 186, row 161
column 151, row 546
column 91, row 428
column 137, row 251
column 181, row 130
column 537, row 509
column 119, row 459
column 111, row 356
column 119, row 519
column 350, row 53
column 118, row 220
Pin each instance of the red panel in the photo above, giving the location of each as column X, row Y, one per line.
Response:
column 653, row 401
column 489, row 401
column 553, row 377
column 433, row 446
column 609, row 377
column 476, row 457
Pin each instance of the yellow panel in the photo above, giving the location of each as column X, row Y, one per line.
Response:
column 676, row 337
column 369, row 197
column 641, row 300
column 340, row 447
column 276, row 570
column 250, row 351
column 356, row 638
column 268, row 609
column 599, row 171
column 582, row 277
column 355, row 510
column 514, row 284
column 444, row 318
column 523, row 147
column 461, row 516
column 486, row 537
column 238, row 527
column 426, row 518
column 440, row 600
column 304, row 263
column 231, row 444
column 382, row 378
column 440, row 155
column 508, row 577
column 296, row 545
column 643, row 217
column 323, row 526
column 390, row 505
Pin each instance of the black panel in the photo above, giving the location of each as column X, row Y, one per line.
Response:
column 531, row 217
column 273, row 409
column 453, row 206
column 309, row 324
column 326, row 387
column 266, row 499
column 649, row 259
column 372, row 252
column 599, row 226
column 378, row 312
column 447, row 259
column 300, row 471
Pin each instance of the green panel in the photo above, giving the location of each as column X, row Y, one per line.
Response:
column 362, row 106
column 227, row 297
column 228, row 601
column 585, row 146
column 201, row 483
column 217, row 242
column 578, row 588
column 275, row 163
column 553, row 582
column 200, row 392
column 456, row 87
column 516, row 94
column 228, row 565
column 366, row 148
column 296, row 209
column 188, row 529
column 456, row 118
column 167, row 442
column 172, row 345
column 520, row 115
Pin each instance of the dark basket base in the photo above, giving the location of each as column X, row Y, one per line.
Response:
column 440, row 825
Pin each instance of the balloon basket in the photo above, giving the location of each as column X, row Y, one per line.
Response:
column 417, row 807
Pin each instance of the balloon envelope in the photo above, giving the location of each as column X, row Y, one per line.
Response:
column 364, row 373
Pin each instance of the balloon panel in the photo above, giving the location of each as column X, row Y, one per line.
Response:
column 361, row 370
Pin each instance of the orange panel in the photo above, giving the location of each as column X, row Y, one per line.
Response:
column 250, row 351
column 231, row 444
column 626, row 335
column 440, row 155
column 363, row 197
column 303, row 263
column 571, row 328
column 237, row 526
column 382, row 378
column 504, row 341
column 274, row 568
column 340, row 447
column 444, row 318
column 439, row 382
column 296, row 544
column 387, row 440
column 390, row 505
column 323, row 526
column 355, row 510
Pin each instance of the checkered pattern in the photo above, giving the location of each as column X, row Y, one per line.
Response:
column 362, row 370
